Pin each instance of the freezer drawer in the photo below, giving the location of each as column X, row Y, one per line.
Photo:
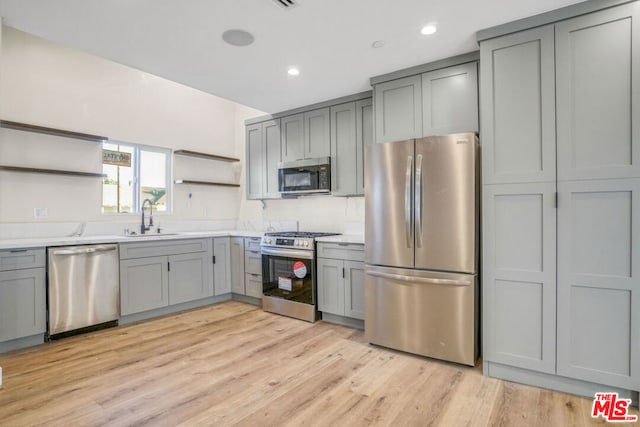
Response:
column 427, row 313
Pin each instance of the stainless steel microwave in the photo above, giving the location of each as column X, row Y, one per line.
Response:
column 305, row 176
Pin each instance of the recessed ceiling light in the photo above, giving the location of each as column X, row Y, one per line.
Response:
column 429, row 29
column 293, row 71
column 237, row 37
column 378, row 44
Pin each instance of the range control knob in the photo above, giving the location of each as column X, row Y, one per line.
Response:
column 306, row 243
column 296, row 243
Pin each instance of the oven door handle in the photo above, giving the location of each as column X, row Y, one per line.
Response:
column 289, row 253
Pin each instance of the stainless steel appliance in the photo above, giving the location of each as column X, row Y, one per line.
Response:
column 421, row 246
column 83, row 287
column 305, row 176
column 289, row 274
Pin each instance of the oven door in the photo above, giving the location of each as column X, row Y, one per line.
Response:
column 289, row 274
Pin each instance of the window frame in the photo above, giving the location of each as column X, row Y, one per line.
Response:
column 135, row 165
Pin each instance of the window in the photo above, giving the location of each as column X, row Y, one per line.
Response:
column 135, row 173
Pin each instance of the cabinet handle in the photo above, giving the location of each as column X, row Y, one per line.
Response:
column 15, row 251
column 343, row 272
column 168, row 266
column 214, row 259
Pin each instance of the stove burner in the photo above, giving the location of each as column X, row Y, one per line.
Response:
column 299, row 234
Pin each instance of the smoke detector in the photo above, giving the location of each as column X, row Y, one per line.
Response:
column 286, row 4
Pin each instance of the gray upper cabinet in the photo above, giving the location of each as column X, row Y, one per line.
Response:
column 273, row 156
column 398, row 109
column 237, row 265
column 364, row 136
column 222, row 265
column 343, row 149
column 518, row 107
column 450, row 100
column 292, row 136
column 597, row 68
column 317, row 133
column 255, row 161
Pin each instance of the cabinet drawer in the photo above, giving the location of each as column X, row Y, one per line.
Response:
column 19, row 259
column 253, row 262
column 171, row 247
column 252, row 243
column 346, row 251
column 253, row 285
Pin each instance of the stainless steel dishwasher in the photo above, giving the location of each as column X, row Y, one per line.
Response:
column 83, row 288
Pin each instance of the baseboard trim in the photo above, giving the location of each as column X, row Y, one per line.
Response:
column 146, row 315
column 344, row 321
column 20, row 343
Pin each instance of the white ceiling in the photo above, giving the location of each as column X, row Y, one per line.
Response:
column 329, row 40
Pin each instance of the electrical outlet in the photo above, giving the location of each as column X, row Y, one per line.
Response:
column 40, row 212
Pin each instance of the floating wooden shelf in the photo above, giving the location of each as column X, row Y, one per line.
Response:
column 205, row 156
column 219, row 184
column 51, row 131
column 51, row 171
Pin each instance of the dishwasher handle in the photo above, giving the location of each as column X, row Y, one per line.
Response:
column 85, row 250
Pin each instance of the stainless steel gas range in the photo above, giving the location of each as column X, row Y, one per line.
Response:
column 289, row 274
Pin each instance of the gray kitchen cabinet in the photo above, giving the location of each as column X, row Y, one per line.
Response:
column 263, row 155
column 189, row 277
column 272, row 156
column 341, row 279
column 253, row 267
column 237, row 265
column 22, row 303
column 519, row 275
column 292, row 136
column 351, row 129
column 255, row 161
column 598, row 101
column 253, row 284
column 159, row 274
column 398, row 109
column 598, row 278
column 364, row 136
column 144, row 284
column 221, row 265
column 450, row 100
column 317, row 133
column 518, row 107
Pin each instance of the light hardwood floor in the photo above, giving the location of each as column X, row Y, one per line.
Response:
column 233, row 364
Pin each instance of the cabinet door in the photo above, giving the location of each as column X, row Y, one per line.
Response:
column 254, row 285
column 144, row 284
column 237, row 265
column 273, row 156
column 22, row 303
column 222, row 266
column 354, row 289
column 343, row 149
column 253, row 262
column 398, row 109
column 519, row 275
column 292, row 137
column 317, row 133
column 189, row 277
column 364, row 137
column 598, row 101
column 331, row 286
column 450, row 100
column 255, row 161
column 598, row 281
column 517, row 106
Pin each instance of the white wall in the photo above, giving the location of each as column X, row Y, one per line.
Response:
column 49, row 85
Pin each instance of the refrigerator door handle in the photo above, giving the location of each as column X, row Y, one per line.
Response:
column 407, row 201
column 414, row 279
column 418, row 201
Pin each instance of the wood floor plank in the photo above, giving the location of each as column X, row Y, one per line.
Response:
column 234, row 364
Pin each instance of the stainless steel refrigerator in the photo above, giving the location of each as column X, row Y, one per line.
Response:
column 421, row 246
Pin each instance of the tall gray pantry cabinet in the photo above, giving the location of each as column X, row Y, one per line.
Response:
column 560, row 129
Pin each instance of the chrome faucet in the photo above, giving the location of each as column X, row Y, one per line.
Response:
column 144, row 228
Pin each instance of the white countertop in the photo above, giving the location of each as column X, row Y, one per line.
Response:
column 343, row 238
column 88, row 240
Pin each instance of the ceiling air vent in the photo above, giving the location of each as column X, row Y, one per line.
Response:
column 286, row 4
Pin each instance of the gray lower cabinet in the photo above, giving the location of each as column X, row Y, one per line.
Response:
column 158, row 274
column 253, row 267
column 351, row 130
column 398, row 109
column 221, row 265
column 253, row 285
column 341, row 281
column 237, row 265
column 22, row 303
column 263, row 144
